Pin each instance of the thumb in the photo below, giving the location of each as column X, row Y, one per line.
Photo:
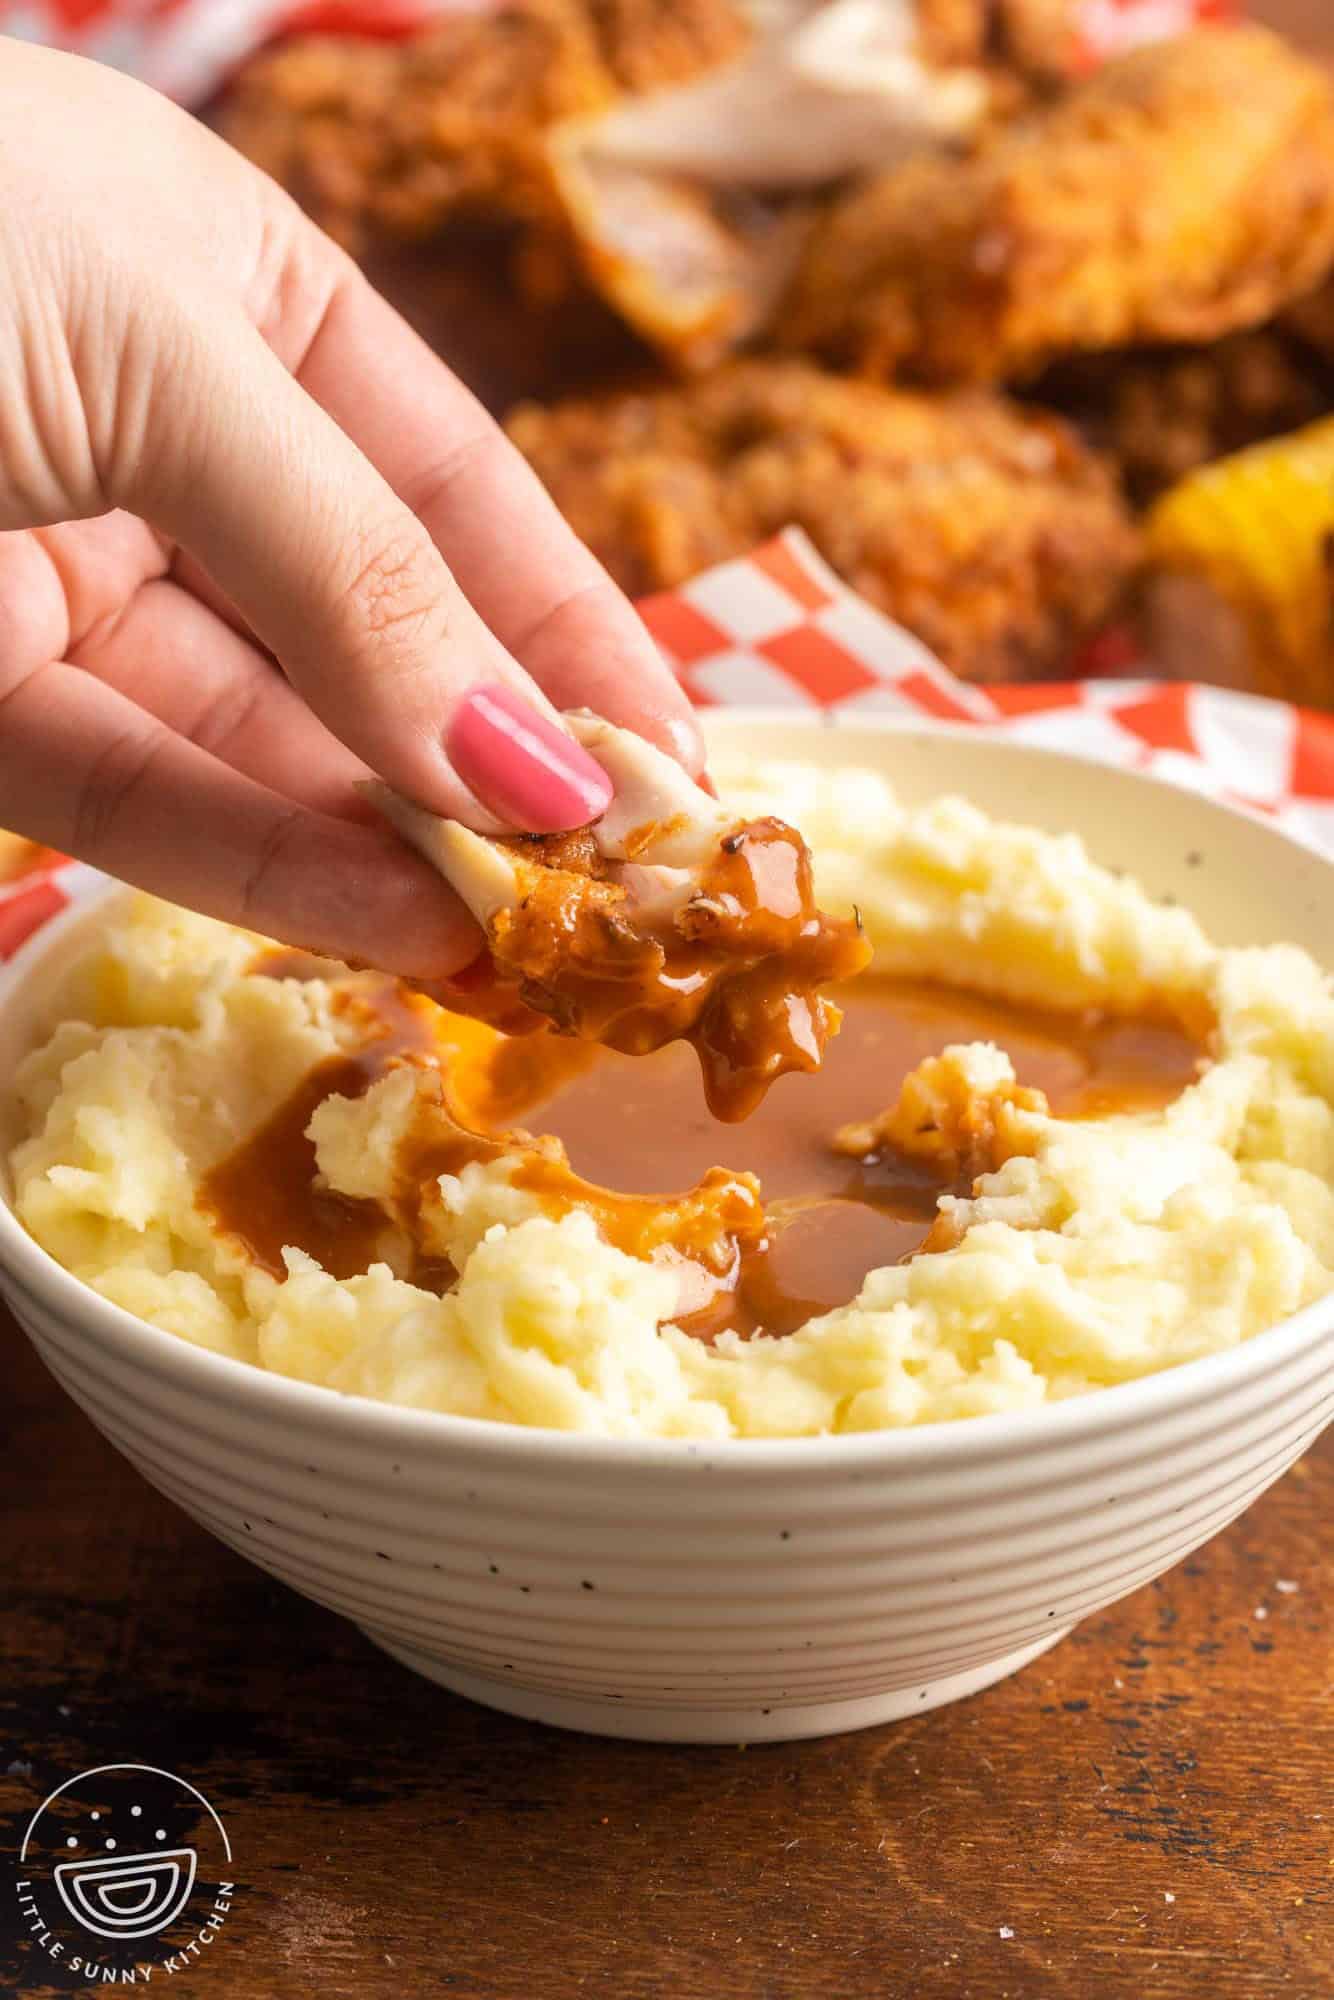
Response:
column 231, row 458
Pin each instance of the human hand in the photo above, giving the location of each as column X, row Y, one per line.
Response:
column 256, row 542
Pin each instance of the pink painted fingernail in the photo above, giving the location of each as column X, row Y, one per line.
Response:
column 521, row 765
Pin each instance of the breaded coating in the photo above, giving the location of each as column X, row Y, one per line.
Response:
column 1161, row 413
column 392, row 139
column 1311, row 322
column 648, row 44
column 1181, row 193
column 987, row 529
column 1037, row 40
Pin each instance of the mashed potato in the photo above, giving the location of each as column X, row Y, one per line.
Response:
column 1113, row 1249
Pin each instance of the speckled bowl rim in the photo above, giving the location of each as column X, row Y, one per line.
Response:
column 958, row 1443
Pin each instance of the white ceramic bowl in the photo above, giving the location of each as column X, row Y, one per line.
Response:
column 740, row 1591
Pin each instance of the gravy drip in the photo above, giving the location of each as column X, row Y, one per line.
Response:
column 266, row 1194
column 641, row 1124
column 736, row 971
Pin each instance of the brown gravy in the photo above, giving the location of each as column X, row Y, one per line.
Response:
column 640, row 1126
column 737, row 971
column 266, row 1192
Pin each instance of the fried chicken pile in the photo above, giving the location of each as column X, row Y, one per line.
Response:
column 1181, row 193
column 936, row 195
column 394, row 138
column 987, row 529
column 1025, row 45
column 1160, row 413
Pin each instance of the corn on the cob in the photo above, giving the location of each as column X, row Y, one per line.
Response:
column 1243, row 550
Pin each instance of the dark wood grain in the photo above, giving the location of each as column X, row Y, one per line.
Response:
column 1149, row 1809
column 393, row 1840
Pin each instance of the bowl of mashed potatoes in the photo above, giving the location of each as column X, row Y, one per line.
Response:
column 633, row 1421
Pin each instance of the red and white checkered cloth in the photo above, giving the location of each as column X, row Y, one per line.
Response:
column 778, row 629
column 189, row 47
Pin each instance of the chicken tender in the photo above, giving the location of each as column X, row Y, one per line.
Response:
column 987, row 529
column 392, row 139
column 1183, row 192
column 668, row 919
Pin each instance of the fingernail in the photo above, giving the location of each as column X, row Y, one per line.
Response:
column 687, row 742
column 521, row 765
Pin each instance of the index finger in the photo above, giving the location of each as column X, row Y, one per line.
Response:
column 542, row 593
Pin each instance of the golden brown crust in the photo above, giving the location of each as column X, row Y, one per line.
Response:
column 1160, row 414
column 1310, row 321
column 391, row 139
column 1037, row 41
column 1184, row 191
column 987, row 529
column 649, row 44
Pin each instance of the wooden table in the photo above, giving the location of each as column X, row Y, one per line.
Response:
column 1145, row 1814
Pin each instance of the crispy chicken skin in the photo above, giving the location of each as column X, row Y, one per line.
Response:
column 1160, row 413
column 392, row 139
column 1310, row 322
column 1181, row 193
column 1037, row 41
column 988, row 530
column 667, row 919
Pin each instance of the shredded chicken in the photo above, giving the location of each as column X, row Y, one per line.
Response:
column 669, row 919
column 1160, row 413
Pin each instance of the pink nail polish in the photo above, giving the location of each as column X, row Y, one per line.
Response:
column 521, row 766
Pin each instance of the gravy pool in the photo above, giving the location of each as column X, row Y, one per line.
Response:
column 639, row 1125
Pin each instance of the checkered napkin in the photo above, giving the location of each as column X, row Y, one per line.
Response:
column 777, row 629
column 189, row 47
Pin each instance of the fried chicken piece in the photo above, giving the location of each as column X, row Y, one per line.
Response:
column 1181, row 193
column 961, row 1114
column 649, row 44
column 1161, row 414
column 392, row 139
column 1036, row 41
column 1310, row 321
column 686, row 208
column 668, row 919
column 988, row 530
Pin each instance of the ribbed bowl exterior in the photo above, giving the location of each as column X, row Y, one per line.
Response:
column 738, row 1591
column 702, row 1593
